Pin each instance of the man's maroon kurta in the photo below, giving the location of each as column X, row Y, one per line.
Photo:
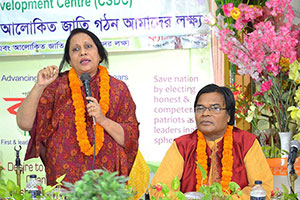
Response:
column 187, row 146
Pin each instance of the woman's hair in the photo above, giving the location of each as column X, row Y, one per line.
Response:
column 101, row 50
column 227, row 95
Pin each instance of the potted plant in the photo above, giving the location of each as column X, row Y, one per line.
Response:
column 94, row 184
column 10, row 190
column 99, row 184
column 213, row 191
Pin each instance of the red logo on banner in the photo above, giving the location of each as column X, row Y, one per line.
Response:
column 12, row 109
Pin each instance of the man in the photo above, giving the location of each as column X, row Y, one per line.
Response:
column 225, row 152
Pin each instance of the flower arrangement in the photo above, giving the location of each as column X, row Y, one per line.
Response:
column 261, row 40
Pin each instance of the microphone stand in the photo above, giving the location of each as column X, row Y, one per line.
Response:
column 293, row 176
column 18, row 168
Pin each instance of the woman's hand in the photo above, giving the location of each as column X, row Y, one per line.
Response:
column 27, row 110
column 113, row 128
column 47, row 75
column 94, row 110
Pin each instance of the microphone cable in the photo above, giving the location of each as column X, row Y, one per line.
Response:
column 95, row 142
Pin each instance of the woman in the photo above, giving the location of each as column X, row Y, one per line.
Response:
column 60, row 119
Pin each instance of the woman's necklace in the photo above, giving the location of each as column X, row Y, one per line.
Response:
column 78, row 103
column 227, row 159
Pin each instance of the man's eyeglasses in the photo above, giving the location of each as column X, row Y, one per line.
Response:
column 215, row 109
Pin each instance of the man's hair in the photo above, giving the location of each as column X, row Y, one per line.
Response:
column 101, row 50
column 227, row 95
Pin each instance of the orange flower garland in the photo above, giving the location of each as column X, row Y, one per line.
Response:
column 79, row 106
column 227, row 160
column 201, row 159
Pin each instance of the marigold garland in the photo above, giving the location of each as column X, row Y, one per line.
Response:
column 79, row 107
column 227, row 160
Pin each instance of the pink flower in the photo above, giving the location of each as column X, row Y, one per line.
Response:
column 239, row 25
column 265, row 86
column 259, row 103
column 1, row 167
column 158, row 187
column 273, row 68
column 258, row 94
column 227, row 9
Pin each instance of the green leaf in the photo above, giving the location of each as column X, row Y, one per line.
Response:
column 165, row 189
column 207, row 197
column 49, row 188
column 104, row 196
column 104, row 185
column 202, row 189
column 2, row 193
column 233, row 186
column 17, row 196
column 60, row 179
column 153, row 186
column 202, row 170
column 240, row 193
column 175, row 183
column 285, row 190
column 27, row 196
column 11, row 186
column 2, row 187
column 180, row 195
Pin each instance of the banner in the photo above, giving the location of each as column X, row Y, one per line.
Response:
column 25, row 20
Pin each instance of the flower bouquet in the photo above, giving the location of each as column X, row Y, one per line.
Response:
column 261, row 40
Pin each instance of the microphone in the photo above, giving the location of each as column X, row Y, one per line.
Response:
column 295, row 145
column 85, row 79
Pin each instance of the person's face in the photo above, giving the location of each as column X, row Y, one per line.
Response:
column 212, row 124
column 84, row 56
